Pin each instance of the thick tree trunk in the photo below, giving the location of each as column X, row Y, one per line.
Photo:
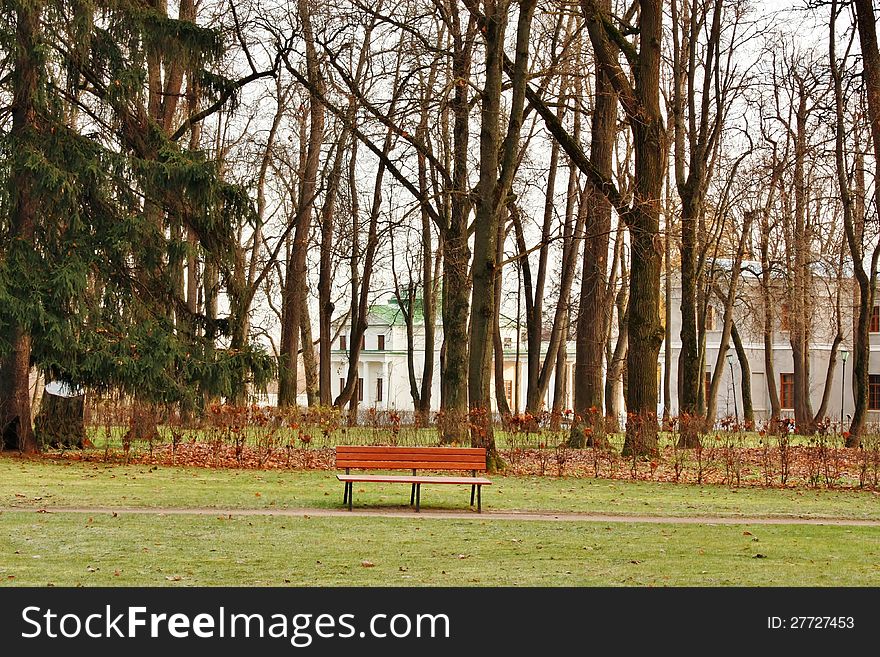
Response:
column 15, row 399
column 456, row 253
column 867, row 28
column 498, row 160
column 594, row 314
column 689, row 360
column 642, row 106
column 59, row 423
column 646, row 251
column 483, row 271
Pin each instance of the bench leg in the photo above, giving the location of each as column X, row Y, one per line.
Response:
column 479, row 499
column 344, row 493
column 350, row 491
column 473, row 486
column 418, row 496
column 412, row 495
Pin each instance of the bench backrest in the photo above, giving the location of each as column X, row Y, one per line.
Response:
column 412, row 458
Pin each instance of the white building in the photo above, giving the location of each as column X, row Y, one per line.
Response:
column 382, row 362
column 749, row 318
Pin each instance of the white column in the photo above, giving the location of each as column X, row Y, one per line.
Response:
column 364, row 373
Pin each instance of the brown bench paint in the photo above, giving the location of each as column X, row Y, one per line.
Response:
column 412, row 458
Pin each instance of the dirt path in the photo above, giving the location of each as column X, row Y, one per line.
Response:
column 406, row 512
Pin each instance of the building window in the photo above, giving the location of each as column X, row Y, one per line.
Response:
column 707, row 385
column 875, row 320
column 379, row 384
column 508, row 391
column 360, row 390
column 874, row 392
column 343, row 342
column 710, row 318
column 381, row 344
column 786, row 390
column 508, row 343
column 784, row 317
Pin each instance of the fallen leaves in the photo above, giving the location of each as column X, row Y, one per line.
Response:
column 753, row 465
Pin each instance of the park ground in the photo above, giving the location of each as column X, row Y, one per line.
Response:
column 69, row 523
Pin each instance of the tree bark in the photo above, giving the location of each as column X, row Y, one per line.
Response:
column 594, row 314
column 456, row 252
column 15, row 399
column 866, row 23
column 296, row 265
column 745, row 379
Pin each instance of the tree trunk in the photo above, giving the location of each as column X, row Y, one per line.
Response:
column 594, row 314
column 497, row 344
column 745, row 379
column 616, row 358
column 642, row 106
column 497, row 168
column 769, row 318
column 308, row 354
column 15, row 399
column 59, row 423
column 483, row 271
column 560, row 382
column 456, row 253
column 645, row 331
column 867, row 28
column 296, row 265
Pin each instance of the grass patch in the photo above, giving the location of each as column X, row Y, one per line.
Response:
column 39, row 483
column 154, row 550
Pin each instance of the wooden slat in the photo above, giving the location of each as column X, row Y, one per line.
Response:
column 409, row 465
column 450, row 458
column 377, row 457
column 368, row 449
column 404, row 479
column 410, row 455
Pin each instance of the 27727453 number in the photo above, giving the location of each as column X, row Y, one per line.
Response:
column 810, row 622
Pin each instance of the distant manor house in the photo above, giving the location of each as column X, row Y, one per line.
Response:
column 384, row 379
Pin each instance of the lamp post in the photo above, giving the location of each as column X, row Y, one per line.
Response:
column 733, row 382
column 843, row 355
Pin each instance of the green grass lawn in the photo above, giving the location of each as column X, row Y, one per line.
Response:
column 36, row 483
column 154, row 550
column 64, row 548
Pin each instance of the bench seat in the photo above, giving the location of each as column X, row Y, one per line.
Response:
column 412, row 458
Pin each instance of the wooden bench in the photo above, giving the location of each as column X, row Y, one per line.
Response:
column 414, row 459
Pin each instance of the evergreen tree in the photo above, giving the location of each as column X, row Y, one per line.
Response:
column 95, row 194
